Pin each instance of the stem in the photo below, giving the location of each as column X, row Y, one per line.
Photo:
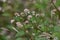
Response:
column 55, row 6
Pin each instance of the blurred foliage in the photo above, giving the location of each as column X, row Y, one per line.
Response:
column 29, row 20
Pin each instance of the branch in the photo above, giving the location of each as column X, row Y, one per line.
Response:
column 55, row 6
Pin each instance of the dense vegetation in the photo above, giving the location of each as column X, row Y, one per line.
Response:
column 29, row 19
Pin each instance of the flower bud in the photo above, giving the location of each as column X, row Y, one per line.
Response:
column 19, row 24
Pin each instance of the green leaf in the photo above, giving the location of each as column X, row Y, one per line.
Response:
column 38, row 6
column 56, row 29
column 57, row 2
column 6, row 14
column 56, row 34
column 2, row 37
column 40, row 38
column 18, row 19
column 19, row 39
column 28, row 26
column 20, row 33
column 45, row 28
column 33, row 19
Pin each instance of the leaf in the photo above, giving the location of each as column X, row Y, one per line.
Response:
column 6, row 14
column 32, row 19
column 28, row 26
column 40, row 38
column 2, row 37
column 56, row 34
column 19, row 39
column 38, row 6
column 57, row 2
column 21, row 33
column 45, row 28
column 18, row 19
column 56, row 29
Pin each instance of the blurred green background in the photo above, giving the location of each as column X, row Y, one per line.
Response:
column 29, row 19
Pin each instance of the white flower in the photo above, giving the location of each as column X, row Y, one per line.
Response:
column 33, row 12
column 59, row 8
column 42, row 14
column 26, row 10
column 19, row 24
column 26, row 21
column 56, row 38
column 22, row 14
column 29, row 17
column 0, row 8
column 4, row 0
column 33, row 34
column 27, row 31
column 17, row 14
column 37, row 15
column 52, row 13
column 12, row 20
column 54, row 10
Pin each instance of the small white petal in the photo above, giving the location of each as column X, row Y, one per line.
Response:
column 29, row 16
column 26, row 31
column 33, row 34
column 26, row 10
column 0, row 8
column 12, row 20
column 56, row 38
column 17, row 14
column 26, row 21
column 4, row 0
column 19, row 24
column 59, row 8
column 37, row 15
column 33, row 12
